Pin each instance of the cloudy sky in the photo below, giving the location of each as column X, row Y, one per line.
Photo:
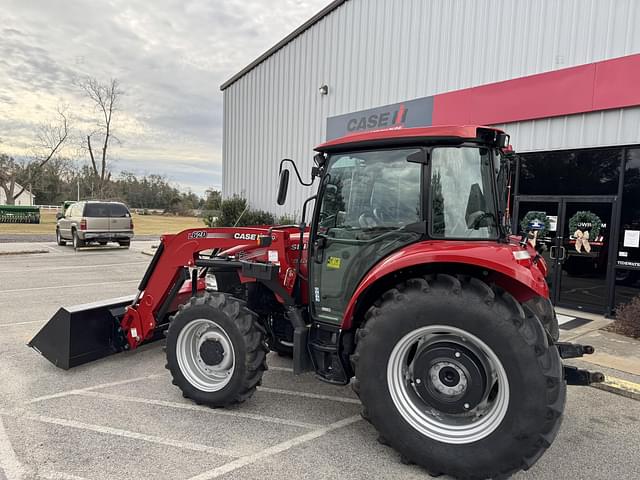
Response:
column 170, row 57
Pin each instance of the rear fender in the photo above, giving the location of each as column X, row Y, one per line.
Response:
column 493, row 261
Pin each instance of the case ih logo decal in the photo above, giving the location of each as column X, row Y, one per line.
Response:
column 414, row 113
column 245, row 236
column 386, row 119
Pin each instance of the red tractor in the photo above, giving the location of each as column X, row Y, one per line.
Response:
column 406, row 284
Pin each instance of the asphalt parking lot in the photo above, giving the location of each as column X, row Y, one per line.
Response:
column 120, row 417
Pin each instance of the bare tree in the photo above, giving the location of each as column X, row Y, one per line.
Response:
column 50, row 140
column 105, row 98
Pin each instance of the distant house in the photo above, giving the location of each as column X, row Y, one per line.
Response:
column 25, row 198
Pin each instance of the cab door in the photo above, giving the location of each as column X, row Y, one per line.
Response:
column 370, row 206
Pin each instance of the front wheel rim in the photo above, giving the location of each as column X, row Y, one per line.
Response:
column 203, row 376
column 478, row 420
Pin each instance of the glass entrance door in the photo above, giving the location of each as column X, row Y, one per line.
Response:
column 529, row 212
column 573, row 236
column 585, row 266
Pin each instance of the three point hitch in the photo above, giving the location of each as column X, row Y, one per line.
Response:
column 575, row 375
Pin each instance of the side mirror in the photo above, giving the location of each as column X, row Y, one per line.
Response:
column 59, row 215
column 283, row 187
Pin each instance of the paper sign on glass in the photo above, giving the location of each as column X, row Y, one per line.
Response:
column 632, row 238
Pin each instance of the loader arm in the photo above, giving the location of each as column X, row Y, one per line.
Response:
column 180, row 252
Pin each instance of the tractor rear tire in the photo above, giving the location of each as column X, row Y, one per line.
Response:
column 216, row 350
column 423, row 397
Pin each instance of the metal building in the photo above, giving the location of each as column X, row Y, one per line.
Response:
column 560, row 76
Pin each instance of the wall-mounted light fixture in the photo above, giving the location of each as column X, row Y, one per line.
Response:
column 324, row 90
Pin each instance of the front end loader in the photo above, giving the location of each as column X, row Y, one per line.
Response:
column 406, row 282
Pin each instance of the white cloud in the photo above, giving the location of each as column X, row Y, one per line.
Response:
column 170, row 56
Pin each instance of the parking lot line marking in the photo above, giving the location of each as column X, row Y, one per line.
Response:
column 77, row 391
column 198, row 408
column 20, row 323
column 9, row 462
column 309, row 395
column 72, row 267
column 56, row 287
column 274, row 450
column 63, row 422
column 59, row 476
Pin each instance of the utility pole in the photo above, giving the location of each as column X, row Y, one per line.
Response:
column 78, row 190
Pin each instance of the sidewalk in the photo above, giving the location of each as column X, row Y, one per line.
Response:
column 21, row 248
column 617, row 356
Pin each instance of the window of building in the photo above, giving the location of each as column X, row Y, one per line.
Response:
column 578, row 172
column 628, row 254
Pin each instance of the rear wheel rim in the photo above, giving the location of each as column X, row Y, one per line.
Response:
column 477, row 421
column 204, row 377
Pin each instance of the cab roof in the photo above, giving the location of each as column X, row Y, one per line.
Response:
column 405, row 136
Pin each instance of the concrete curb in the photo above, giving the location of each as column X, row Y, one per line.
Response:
column 150, row 251
column 619, row 387
column 23, row 252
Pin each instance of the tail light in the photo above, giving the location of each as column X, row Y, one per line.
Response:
column 131, row 223
column 83, row 224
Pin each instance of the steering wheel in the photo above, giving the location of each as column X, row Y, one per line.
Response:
column 368, row 220
column 381, row 214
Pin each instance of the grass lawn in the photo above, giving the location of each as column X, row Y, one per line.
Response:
column 143, row 225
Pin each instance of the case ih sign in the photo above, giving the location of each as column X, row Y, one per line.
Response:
column 585, row 88
column 413, row 113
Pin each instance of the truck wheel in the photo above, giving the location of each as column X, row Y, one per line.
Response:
column 77, row 242
column 216, row 351
column 59, row 239
column 459, row 378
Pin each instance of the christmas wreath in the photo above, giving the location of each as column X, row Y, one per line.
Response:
column 536, row 217
column 585, row 221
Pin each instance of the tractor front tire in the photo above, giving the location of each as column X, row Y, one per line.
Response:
column 459, row 378
column 216, row 350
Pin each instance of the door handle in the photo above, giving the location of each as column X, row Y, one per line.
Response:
column 553, row 253
column 318, row 249
column 563, row 254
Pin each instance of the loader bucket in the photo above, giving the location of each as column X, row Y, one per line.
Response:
column 81, row 334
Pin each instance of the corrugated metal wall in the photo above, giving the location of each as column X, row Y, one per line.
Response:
column 375, row 52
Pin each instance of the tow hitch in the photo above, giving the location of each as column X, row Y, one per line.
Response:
column 575, row 375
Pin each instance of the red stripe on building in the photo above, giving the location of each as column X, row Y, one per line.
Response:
column 585, row 88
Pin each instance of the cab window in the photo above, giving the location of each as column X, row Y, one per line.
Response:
column 370, row 192
column 462, row 200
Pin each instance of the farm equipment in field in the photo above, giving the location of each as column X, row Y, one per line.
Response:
column 19, row 214
column 406, row 283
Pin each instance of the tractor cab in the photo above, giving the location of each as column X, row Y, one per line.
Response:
column 380, row 192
